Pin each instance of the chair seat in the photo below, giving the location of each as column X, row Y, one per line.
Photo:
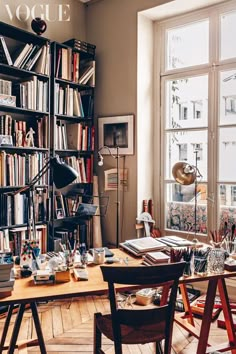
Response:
column 131, row 335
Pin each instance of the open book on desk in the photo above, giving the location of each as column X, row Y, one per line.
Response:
column 140, row 246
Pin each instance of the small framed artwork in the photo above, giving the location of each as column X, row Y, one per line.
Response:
column 6, row 140
column 117, row 131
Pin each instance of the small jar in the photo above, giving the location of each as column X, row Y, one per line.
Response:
column 216, row 259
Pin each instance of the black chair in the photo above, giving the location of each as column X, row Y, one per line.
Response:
column 144, row 324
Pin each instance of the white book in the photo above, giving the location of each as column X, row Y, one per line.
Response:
column 18, row 209
column 22, row 54
column 6, row 51
column 33, row 60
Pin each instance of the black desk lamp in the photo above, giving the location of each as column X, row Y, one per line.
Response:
column 62, row 175
column 100, row 163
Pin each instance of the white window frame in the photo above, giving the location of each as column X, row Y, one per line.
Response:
column 212, row 69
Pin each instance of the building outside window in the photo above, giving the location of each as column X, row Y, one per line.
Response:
column 198, row 83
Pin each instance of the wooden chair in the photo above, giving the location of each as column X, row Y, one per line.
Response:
column 138, row 325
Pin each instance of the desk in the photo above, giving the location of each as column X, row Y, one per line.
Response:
column 26, row 293
column 186, row 320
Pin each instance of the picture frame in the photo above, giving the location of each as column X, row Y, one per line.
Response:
column 6, row 140
column 116, row 131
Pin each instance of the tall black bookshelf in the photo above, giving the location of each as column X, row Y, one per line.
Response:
column 49, row 90
column 24, row 107
column 72, row 126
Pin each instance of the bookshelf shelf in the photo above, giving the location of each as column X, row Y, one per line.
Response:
column 26, row 150
column 21, row 111
column 74, row 119
column 19, row 73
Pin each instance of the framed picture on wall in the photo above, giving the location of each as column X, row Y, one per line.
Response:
column 116, row 131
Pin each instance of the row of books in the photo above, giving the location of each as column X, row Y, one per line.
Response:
column 67, row 65
column 12, row 239
column 81, row 234
column 82, row 46
column 5, row 87
column 71, row 102
column 32, row 94
column 14, row 208
column 27, row 57
column 10, row 126
column 70, row 67
column 75, row 136
column 19, row 169
column 84, row 167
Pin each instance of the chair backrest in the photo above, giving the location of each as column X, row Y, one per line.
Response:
column 142, row 276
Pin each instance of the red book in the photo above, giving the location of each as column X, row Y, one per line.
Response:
column 88, row 170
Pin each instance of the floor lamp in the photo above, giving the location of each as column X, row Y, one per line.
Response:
column 187, row 174
column 61, row 174
column 100, row 163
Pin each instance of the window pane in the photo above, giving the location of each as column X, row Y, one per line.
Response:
column 228, row 30
column 227, row 153
column 227, row 204
column 188, row 45
column 180, row 207
column 187, row 102
column 228, row 97
column 181, row 146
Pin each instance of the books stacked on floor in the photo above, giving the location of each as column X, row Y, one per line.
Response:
column 6, row 279
column 142, row 245
column 154, row 258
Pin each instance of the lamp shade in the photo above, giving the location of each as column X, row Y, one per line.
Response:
column 184, row 173
column 62, row 174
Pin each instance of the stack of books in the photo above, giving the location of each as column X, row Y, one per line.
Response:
column 154, row 258
column 81, row 46
column 140, row 246
column 6, row 279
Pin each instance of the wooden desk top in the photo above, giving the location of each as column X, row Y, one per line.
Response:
column 25, row 290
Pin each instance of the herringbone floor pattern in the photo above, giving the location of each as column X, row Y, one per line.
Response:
column 68, row 329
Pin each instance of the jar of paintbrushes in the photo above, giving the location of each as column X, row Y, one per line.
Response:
column 217, row 255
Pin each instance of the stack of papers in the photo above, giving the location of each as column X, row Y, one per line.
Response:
column 154, row 258
column 176, row 241
column 140, row 246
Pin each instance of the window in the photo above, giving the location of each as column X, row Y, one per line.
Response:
column 198, row 118
column 183, row 153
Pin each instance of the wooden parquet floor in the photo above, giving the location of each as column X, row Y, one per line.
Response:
column 68, row 329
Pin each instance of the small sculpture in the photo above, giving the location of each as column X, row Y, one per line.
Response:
column 29, row 138
column 19, row 138
column 38, row 25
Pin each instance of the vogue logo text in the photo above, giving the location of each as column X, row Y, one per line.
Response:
column 50, row 13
